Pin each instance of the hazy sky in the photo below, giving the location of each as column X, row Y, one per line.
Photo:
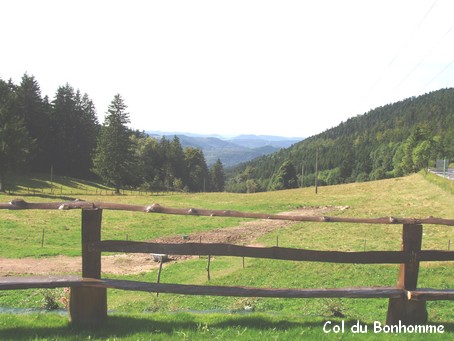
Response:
column 291, row 68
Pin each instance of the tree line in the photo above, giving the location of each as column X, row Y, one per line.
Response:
column 37, row 134
column 389, row 141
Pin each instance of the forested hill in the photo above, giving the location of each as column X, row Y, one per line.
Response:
column 389, row 141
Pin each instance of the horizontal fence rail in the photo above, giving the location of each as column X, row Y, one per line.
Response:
column 238, row 291
column 88, row 300
column 156, row 208
column 31, row 282
column 11, row 283
column 281, row 253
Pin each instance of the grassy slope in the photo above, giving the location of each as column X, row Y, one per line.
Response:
column 184, row 326
column 411, row 196
column 405, row 197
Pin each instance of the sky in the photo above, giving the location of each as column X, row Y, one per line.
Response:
column 286, row 68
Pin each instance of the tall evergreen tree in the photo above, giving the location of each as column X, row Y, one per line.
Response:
column 197, row 170
column 31, row 108
column 74, row 129
column 113, row 158
column 86, row 133
column 217, row 176
column 285, row 177
column 166, row 173
column 177, row 161
column 62, row 130
column 413, row 161
column 149, row 162
column 14, row 138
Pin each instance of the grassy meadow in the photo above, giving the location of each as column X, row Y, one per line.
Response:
column 143, row 316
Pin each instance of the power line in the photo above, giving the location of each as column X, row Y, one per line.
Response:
column 413, row 33
column 399, row 51
column 422, row 60
column 438, row 74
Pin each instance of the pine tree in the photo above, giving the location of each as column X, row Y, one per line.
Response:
column 86, row 134
column 62, row 130
column 73, row 132
column 14, row 138
column 178, row 167
column 149, row 162
column 217, row 177
column 285, row 177
column 113, row 157
column 197, row 170
column 31, row 108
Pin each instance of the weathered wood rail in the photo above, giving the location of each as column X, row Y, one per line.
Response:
column 88, row 300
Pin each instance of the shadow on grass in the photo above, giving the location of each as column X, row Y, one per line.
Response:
column 164, row 326
column 48, row 196
column 167, row 326
column 37, row 182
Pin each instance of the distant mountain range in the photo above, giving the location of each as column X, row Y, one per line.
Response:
column 230, row 150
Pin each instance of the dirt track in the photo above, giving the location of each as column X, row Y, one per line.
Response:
column 245, row 233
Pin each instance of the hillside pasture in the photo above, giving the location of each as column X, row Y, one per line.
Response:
column 412, row 196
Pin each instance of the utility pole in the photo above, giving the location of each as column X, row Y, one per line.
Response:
column 51, row 178
column 316, row 171
column 302, row 174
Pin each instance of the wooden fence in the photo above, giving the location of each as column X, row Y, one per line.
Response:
column 88, row 298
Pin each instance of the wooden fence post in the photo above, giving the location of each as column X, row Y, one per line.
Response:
column 88, row 305
column 409, row 312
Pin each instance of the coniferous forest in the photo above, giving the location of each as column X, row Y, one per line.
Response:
column 38, row 134
column 389, row 141
column 63, row 134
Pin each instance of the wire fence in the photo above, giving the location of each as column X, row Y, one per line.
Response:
column 65, row 191
column 88, row 295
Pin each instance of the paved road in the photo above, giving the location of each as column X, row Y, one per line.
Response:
column 448, row 175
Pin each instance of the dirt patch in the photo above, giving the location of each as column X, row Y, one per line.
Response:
column 246, row 233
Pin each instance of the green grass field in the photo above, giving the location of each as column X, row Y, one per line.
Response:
column 138, row 316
